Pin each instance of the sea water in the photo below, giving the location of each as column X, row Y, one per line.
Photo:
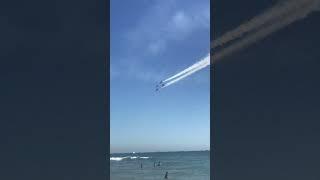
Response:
column 191, row 165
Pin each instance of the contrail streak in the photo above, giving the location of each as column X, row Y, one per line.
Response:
column 273, row 14
column 272, row 20
column 197, row 64
column 189, row 73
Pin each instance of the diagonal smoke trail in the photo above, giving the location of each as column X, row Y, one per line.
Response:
column 273, row 14
column 263, row 32
column 197, row 64
column 205, row 64
column 259, row 28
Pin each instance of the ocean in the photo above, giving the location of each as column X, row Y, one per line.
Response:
column 190, row 165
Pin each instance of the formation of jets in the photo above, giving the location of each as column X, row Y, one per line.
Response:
column 159, row 86
column 259, row 27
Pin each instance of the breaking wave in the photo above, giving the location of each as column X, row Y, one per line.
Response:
column 127, row 157
column 117, row 158
column 144, row 157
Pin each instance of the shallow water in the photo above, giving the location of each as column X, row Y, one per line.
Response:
column 193, row 165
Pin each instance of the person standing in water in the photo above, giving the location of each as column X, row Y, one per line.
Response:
column 141, row 165
column 166, row 176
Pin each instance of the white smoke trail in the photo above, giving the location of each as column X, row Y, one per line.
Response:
column 184, row 76
column 205, row 64
column 263, row 32
column 195, row 65
column 271, row 15
column 272, row 20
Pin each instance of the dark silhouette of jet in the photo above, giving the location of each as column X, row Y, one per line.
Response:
column 159, row 86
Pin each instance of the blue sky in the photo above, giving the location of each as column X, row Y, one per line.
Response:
column 150, row 41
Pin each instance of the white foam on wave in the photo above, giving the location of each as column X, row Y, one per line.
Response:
column 130, row 157
column 117, row 158
column 144, row 157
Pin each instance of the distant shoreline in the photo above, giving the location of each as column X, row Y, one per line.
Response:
column 159, row 152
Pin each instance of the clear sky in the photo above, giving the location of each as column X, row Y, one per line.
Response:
column 151, row 40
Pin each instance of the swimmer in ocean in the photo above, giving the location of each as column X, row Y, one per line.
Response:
column 166, row 176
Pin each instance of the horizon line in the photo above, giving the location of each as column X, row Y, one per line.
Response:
column 157, row 151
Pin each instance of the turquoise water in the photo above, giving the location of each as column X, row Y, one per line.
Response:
column 193, row 165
